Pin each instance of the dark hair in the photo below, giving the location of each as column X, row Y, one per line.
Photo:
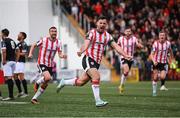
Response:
column 24, row 34
column 5, row 32
column 128, row 27
column 101, row 18
column 53, row 27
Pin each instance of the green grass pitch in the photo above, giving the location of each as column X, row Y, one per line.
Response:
column 79, row 101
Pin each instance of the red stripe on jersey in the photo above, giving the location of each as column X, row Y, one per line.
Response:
column 44, row 56
column 99, row 46
column 162, row 49
column 165, row 53
column 127, row 46
column 157, row 48
column 87, row 52
column 49, row 57
column 123, row 43
column 132, row 46
column 39, row 56
column 93, row 44
column 105, row 40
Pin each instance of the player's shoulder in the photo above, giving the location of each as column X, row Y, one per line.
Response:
column 121, row 37
column 168, row 42
column 91, row 31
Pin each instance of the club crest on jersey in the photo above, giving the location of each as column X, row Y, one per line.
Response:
column 43, row 68
column 92, row 63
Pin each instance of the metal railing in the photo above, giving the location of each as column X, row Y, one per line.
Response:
column 65, row 22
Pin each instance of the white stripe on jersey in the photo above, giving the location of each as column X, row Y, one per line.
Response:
column 48, row 50
column 128, row 45
column 98, row 42
column 161, row 51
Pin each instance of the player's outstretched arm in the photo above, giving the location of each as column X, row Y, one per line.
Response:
column 32, row 50
column 84, row 47
column 120, row 50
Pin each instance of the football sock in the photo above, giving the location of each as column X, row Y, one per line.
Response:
column 123, row 79
column 18, row 84
column 10, row 87
column 70, row 81
column 24, row 83
column 95, row 89
column 154, row 86
column 38, row 93
column 41, row 80
column 162, row 82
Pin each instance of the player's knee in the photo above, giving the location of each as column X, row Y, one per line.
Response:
column 126, row 73
column 95, row 81
column 44, row 85
column 80, row 83
column 47, row 78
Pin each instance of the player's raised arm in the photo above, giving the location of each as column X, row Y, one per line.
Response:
column 120, row 50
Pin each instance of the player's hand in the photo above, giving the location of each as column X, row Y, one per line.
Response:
column 64, row 56
column 30, row 56
column 155, row 63
column 79, row 53
column 128, row 57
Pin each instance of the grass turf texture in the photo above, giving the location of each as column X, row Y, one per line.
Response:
column 79, row 101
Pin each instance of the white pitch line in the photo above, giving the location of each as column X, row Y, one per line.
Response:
column 8, row 102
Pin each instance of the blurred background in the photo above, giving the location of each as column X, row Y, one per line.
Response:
column 74, row 18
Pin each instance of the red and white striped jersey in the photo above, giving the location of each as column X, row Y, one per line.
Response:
column 128, row 45
column 48, row 50
column 97, row 45
column 161, row 51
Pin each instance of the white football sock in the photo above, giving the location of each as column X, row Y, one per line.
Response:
column 123, row 79
column 154, row 86
column 96, row 92
column 38, row 93
column 70, row 81
column 41, row 80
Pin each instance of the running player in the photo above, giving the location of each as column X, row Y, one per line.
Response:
column 128, row 42
column 22, row 50
column 8, row 47
column 158, row 55
column 48, row 48
column 94, row 44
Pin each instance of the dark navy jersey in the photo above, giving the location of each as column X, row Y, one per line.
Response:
column 10, row 47
column 23, row 48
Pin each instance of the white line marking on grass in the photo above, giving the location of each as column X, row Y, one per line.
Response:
column 8, row 102
column 135, row 88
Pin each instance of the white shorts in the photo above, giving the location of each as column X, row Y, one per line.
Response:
column 9, row 68
column 20, row 66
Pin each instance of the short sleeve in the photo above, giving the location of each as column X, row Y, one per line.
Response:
column 89, row 35
column 39, row 43
column 3, row 45
column 154, row 47
column 110, row 40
